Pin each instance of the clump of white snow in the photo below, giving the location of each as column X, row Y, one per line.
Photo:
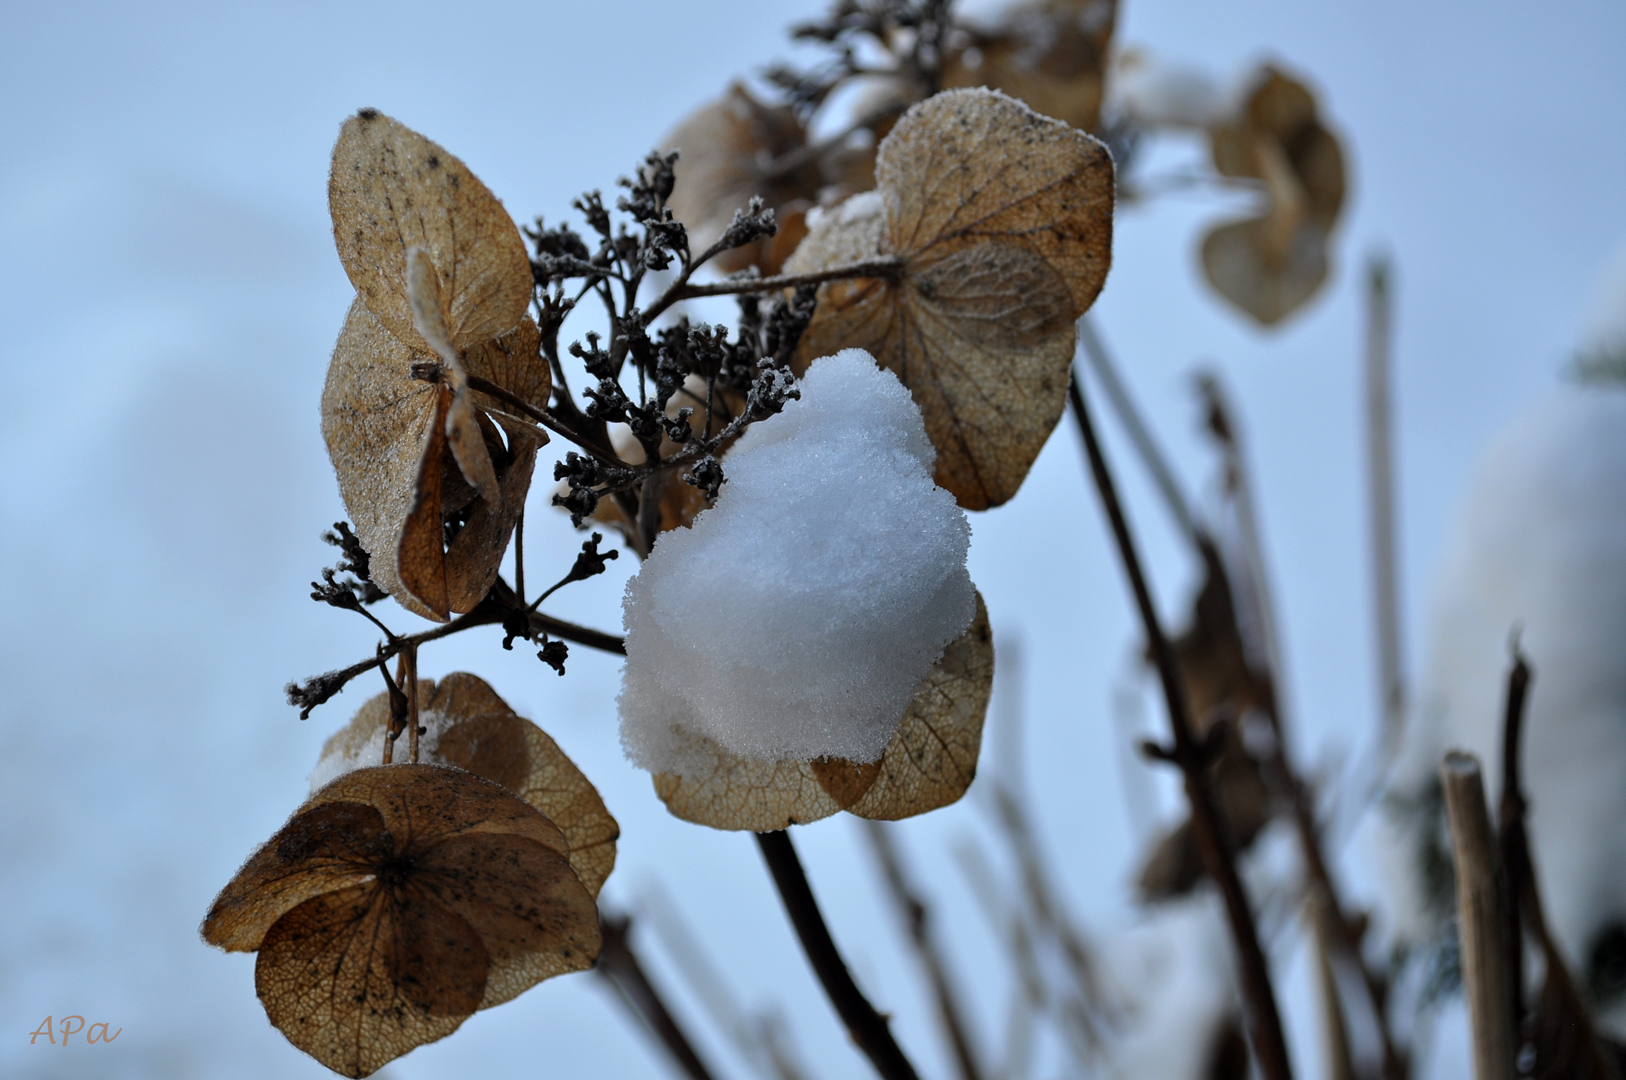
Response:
column 796, row 617
column 351, row 750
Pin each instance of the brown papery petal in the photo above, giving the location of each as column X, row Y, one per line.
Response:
column 532, row 766
column 514, row 362
column 358, row 977
column 1004, row 220
column 475, row 554
column 424, row 805
column 323, row 848
column 531, row 913
column 485, row 737
column 750, row 795
column 379, row 424
column 929, row 762
column 391, row 189
column 514, row 752
column 932, row 759
column 1049, row 55
column 1239, row 263
column 1272, row 265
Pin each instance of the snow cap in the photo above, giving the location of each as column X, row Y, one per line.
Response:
column 796, row 617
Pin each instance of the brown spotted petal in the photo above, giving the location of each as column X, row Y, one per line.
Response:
column 356, row 978
column 1003, row 219
column 396, row 902
column 328, row 847
column 473, row 728
column 930, row 761
column 391, row 190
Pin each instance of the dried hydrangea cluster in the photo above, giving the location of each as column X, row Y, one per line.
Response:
column 810, row 641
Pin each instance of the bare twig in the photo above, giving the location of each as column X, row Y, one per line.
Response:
column 1031, row 996
column 1480, row 927
column 1512, row 843
column 917, row 922
column 867, row 1027
column 1129, row 416
column 1564, row 1036
column 760, row 1036
column 887, row 266
column 618, row 963
column 499, row 603
column 1344, row 930
column 1381, row 504
column 1335, row 1028
column 1207, row 826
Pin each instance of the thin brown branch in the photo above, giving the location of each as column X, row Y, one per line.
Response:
column 546, row 419
column 867, row 1027
column 1381, row 504
column 1207, row 826
column 1480, row 927
column 1344, row 930
column 1140, row 436
column 618, row 963
column 499, row 603
column 889, row 267
column 1050, row 918
column 760, row 1036
column 1512, row 842
column 917, row 922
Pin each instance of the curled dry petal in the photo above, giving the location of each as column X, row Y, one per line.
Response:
column 1270, row 266
column 1051, row 55
column 386, row 433
column 443, row 282
column 472, row 728
column 930, row 761
column 396, row 902
column 1003, row 219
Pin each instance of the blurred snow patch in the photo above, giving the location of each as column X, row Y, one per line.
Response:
column 1539, row 550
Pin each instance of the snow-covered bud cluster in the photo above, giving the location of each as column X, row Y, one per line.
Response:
column 795, row 619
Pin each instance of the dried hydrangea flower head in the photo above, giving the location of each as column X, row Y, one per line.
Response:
column 1001, row 253
column 1272, row 265
column 397, row 901
column 442, row 282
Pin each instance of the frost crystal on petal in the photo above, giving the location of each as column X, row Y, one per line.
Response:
column 796, row 618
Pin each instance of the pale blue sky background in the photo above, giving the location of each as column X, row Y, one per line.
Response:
column 169, row 296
